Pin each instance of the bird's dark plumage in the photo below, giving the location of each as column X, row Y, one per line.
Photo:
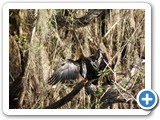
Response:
column 87, row 67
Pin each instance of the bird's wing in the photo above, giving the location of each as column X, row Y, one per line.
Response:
column 69, row 70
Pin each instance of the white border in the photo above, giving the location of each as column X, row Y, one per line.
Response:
column 8, row 6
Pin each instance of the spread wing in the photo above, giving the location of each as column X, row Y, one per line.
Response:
column 69, row 70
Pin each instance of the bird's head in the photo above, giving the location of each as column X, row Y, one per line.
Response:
column 101, row 56
column 99, row 53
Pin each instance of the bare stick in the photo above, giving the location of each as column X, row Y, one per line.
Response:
column 115, row 82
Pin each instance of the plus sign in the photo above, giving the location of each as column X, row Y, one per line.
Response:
column 147, row 99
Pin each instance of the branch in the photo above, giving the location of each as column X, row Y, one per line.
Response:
column 67, row 21
column 68, row 97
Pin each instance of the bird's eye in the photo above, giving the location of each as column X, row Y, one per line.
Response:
column 63, row 63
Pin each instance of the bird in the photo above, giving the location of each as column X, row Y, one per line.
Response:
column 87, row 67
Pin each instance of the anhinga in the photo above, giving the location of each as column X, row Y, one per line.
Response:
column 87, row 67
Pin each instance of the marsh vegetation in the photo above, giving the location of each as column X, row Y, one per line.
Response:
column 41, row 39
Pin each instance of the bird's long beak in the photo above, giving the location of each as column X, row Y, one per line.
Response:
column 84, row 81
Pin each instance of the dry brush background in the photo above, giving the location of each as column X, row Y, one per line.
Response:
column 41, row 39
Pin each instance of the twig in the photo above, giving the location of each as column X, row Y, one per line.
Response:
column 115, row 83
column 114, row 73
column 120, row 93
column 104, row 93
column 111, row 28
column 56, row 32
column 127, row 41
column 11, row 77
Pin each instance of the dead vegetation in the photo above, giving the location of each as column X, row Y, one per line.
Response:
column 41, row 39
